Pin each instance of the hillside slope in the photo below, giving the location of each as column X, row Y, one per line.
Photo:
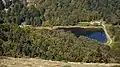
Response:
column 63, row 12
column 68, row 12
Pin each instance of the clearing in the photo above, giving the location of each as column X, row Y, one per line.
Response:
column 35, row 62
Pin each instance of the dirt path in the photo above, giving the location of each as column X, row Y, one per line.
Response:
column 34, row 62
column 109, row 42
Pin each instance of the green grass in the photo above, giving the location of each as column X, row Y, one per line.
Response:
column 83, row 24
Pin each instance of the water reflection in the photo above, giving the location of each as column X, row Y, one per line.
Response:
column 97, row 34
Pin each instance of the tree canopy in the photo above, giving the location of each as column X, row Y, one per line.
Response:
column 57, row 44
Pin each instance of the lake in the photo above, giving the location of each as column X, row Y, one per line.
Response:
column 93, row 33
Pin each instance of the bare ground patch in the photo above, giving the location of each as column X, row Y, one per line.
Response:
column 34, row 62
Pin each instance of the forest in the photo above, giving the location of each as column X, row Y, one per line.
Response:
column 59, row 12
column 114, row 33
column 58, row 44
column 53, row 45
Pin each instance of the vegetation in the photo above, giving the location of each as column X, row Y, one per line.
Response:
column 115, row 66
column 83, row 24
column 66, row 66
column 52, row 44
column 58, row 44
column 114, row 32
column 59, row 12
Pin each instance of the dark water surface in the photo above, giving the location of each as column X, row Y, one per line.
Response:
column 97, row 34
